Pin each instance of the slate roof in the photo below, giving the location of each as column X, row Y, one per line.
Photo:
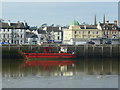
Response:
column 110, row 26
column 4, row 25
column 54, row 29
column 88, row 26
column 31, row 35
column 41, row 32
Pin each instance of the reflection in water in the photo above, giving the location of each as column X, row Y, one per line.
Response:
column 23, row 68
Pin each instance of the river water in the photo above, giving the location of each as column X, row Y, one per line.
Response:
column 60, row 73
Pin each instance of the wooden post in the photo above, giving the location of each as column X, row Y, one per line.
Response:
column 102, row 50
column 111, row 66
column 93, row 50
column 31, row 47
column 110, row 50
column 102, row 66
column 84, row 51
column 9, row 47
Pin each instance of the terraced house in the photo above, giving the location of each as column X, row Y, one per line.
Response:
column 13, row 33
column 110, row 30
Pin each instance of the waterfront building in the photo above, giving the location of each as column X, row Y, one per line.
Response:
column 110, row 30
column 54, row 34
column 42, row 36
column 13, row 33
column 77, row 31
column 31, row 38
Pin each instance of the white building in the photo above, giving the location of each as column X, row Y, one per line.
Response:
column 42, row 36
column 31, row 38
column 54, row 34
column 13, row 33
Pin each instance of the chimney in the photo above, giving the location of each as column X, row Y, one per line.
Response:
column 107, row 22
column 18, row 21
column 85, row 27
column 115, row 22
column 9, row 22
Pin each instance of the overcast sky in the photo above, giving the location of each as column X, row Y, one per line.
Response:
column 59, row 13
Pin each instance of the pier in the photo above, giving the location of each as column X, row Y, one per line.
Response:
column 13, row 51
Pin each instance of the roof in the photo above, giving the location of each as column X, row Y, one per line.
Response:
column 18, row 25
column 88, row 26
column 54, row 29
column 41, row 32
column 110, row 26
column 74, row 22
column 31, row 35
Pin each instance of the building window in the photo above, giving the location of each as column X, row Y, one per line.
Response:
column 88, row 32
column 49, row 37
column 97, row 32
column 58, row 37
column 3, row 35
column 41, row 38
column 75, row 32
column 21, row 36
column 14, row 42
column 8, row 36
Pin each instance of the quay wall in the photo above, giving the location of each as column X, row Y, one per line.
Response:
column 13, row 51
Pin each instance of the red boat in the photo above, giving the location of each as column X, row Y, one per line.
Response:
column 48, row 54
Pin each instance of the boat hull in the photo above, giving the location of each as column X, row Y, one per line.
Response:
column 48, row 55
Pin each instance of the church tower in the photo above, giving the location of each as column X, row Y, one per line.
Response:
column 104, row 19
column 95, row 21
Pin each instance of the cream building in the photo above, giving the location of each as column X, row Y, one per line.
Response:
column 85, row 32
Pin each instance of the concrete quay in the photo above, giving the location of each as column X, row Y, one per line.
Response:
column 13, row 51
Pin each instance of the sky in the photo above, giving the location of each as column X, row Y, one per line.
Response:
column 58, row 13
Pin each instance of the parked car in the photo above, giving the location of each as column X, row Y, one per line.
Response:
column 90, row 42
column 108, row 42
column 4, row 43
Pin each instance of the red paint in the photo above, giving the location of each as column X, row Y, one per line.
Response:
column 49, row 55
column 48, row 63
